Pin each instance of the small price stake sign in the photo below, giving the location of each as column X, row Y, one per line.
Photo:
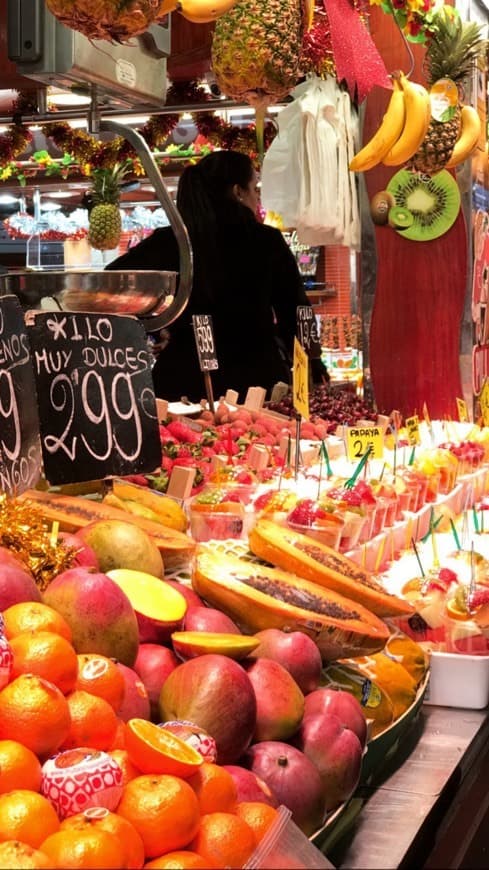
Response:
column 307, row 331
column 412, row 426
column 300, row 381
column 463, row 412
column 484, row 402
column 20, row 447
column 97, row 408
column 361, row 439
column 204, row 340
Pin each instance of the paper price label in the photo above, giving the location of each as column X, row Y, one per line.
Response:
column 361, row 439
column 463, row 413
column 412, row 426
column 204, row 340
column 300, row 381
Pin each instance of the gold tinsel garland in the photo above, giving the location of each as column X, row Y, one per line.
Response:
column 30, row 539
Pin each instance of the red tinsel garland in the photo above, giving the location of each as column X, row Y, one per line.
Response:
column 14, row 142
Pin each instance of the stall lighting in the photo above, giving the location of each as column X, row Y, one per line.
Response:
column 50, row 206
column 59, row 194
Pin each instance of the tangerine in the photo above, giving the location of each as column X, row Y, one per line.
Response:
column 102, row 819
column 259, row 816
column 19, row 767
column 215, row 789
column 163, row 809
column 35, row 712
column 224, row 840
column 47, row 654
column 19, row 856
column 155, row 750
column 182, row 860
column 34, row 616
column 100, row 676
column 92, row 849
column 93, row 722
column 26, row 816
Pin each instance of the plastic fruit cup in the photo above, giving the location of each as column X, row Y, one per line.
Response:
column 464, row 636
column 328, row 533
column 367, row 530
column 382, row 506
column 217, row 522
column 417, row 483
column 350, row 533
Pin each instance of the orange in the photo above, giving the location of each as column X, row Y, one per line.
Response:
column 155, row 750
column 93, row 722
column 163, row 809
column 225, row 840
column 103, row 820
column 34, row 616
column 215, row 789
column 129, row 770
column 184, row 860
column 19, row 767
column 19, row 856
column 92, row 849
column 26, row 816
column 259, row 816
column 46, row 654
column 100, row 676
column 34, row 712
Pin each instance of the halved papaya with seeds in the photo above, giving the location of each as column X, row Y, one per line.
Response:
column 320, row 564
column 258, row 597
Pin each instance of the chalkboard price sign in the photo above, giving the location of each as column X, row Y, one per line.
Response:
column 20, row 450
column 307, row 331
column 204, row 340
column 97, row 406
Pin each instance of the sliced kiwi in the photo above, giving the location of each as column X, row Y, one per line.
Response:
column 400, row 218
column 380, row 204
column 434, row 202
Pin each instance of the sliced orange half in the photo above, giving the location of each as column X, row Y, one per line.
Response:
column 190, row 644
column 155, row 750
column 456, row 612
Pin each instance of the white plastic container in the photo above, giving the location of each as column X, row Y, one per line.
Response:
column 286, row 846
column 458, row 681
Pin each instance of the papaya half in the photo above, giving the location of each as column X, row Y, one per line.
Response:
column 258, row 597
column 75, row 512
column 320, row 564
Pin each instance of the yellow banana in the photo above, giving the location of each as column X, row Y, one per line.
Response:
column 417, row 121
column 166, row 509
column 204, row 11
column 383, row 139
column 469, row 136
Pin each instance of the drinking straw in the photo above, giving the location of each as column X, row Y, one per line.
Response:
column 395, row 460
column 434, row 546
column 455, row 535
column 476, row 521
column 364, row 556
column 380, row 553
column 472, row 576
column 393, row 547
column 350, row 483
column 297, row 446
column 323, row 452
column 382, row 473
column 320, row 473
column 413, row 453
column 413, row 544
column 409, row 533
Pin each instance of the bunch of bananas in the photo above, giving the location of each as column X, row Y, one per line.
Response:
column 402, row 129
column 197, row 11
column 405, row 125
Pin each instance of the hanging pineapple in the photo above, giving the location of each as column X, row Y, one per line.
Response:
column 111, row 20
column 255, row 52
column 104, row 227
column 452, row 53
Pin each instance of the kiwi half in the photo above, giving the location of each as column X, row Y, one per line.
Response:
column 434, row 202
column 400, row 218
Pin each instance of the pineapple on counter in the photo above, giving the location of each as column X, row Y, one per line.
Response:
column 105, row 225
column 111, row 20
column 452, row 53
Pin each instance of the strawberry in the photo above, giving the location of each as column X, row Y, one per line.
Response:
column 182, row 433
column 138, row 479
column 478, row 598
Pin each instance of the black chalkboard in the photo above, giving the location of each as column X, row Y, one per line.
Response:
column 97, row 408
column 20, row 449
column 307, row 331
column 204, row 340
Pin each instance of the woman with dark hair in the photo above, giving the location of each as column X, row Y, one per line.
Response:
column 245, row 277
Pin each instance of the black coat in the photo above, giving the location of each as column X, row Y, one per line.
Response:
column 254, row 316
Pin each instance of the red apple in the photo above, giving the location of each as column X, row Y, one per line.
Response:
column 342, row 704
column 153, row 665
column 209, row 619
column 335, row 751
column 295, row 651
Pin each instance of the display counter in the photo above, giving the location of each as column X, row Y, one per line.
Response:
column 430, row 806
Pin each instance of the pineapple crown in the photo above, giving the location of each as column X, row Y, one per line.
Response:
column 106, row 183
column 454, row 46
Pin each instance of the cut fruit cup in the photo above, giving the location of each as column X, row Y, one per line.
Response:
column 467, row 631
column 215, row 516
column 417, row 483
column 428, row 625
column 328, row 531
column 240, row 481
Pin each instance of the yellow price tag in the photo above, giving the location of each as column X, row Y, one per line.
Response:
column 360, row 438
column 484, row 402
column 463, row 413
column 412, row 426
column 300, row 380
